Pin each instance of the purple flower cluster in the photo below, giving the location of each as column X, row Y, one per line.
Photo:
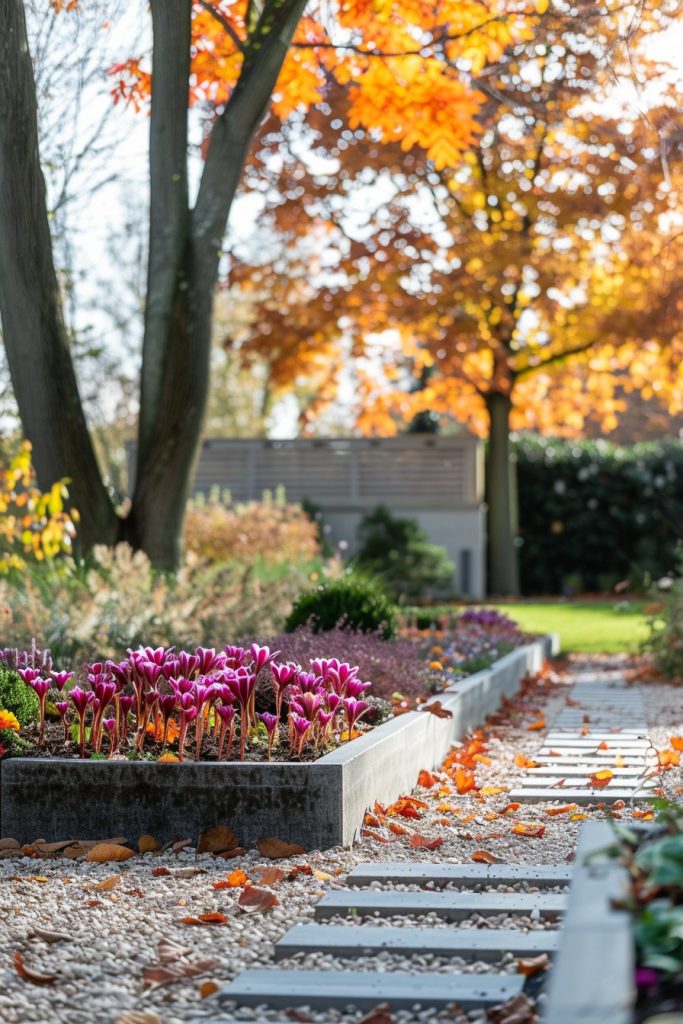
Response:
column 488, row 617
column 208, row 690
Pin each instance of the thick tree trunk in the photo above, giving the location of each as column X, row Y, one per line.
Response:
column 501, row 499
column 33, row 327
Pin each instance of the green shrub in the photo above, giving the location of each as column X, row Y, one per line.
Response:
column 398, row 553
column 666, row 633
column 17, row 697
column 592, row 513
column 351, row 603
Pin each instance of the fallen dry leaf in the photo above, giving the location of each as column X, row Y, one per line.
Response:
column 49, row 936
column 106, row 884
column 526, row 762
column 233, row 881
column 537, row 725
column 436, row 708
column 148, row 844
column 397, row 829
column 322, row 876
column 676, row 743
column 464, row 781
column 139, row 1017
column 255, row 900
column 601, row 779
column 419, row 842
column 379, row 1015
column 534, row 964
column 493, row 790
column 426, row 779
column 10, row 844
column 44, row 849
column 187, row 872
column 239, row 851
column 205, row 919
column 167, row 950
column 516, row 1010
column 529, row 829
column 298, row 869
column 104, row 852
column 28, row 974
column 565, row 809
column 368, row 833
column 159, row 974
column 278, row 849
column 484, row 857
column 513, row 806
column 372, row 820
column 270, row 876
column 217, row 839
column 208, row 988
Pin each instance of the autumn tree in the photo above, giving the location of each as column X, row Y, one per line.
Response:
column 407, row 66
column 527, row 280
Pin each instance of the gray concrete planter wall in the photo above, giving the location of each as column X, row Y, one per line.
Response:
column 320, row 804
column 592, row 980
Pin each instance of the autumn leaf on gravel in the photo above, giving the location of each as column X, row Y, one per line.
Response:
column 217, row 839
column 601, row 779
column 408, row 807
column 298, row 869
column 379, row 1015
column 525, row 762
column 552, row 812
column 516, row 1010
column 397, row 829
column 159, row 974
column 676, row 742
column 278, row 849
column 255, row 901
column 484, row 857
column 464, row 781
column 532, row 965
column 106, row 884
column 436, row 708
column 603, row 746
column 368, row 833
column 419, row 842
column 104, row 852
column 537, row 725
column 233, row 881
column 28, row 974
column 139, row 1017
column 270, row 876
column 668, row 758
column 493, row 790
column 426, row 779
column 509, row 808
column 148, row 844
column 187, row 872
column 208, row 988
column 168, row 950
column 529, row 829
column 43, row 849
column 213, row 918
column 372, row 820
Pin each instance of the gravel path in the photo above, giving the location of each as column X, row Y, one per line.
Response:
column 111, row 934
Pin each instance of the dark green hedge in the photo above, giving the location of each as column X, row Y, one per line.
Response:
column 592, row 514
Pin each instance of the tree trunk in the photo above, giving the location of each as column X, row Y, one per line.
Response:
column 35, row 336
column 501, row 499
column 176, row 361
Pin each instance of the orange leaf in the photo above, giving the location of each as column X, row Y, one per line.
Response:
column 205, row 919
column 676, row 742
column 601, row 779
column 217, row 839
column 464, row 781
column 553, row 811
column 537, row 725
column 534, row 964
column 278, row 849
column 529, row 829
column 422, row 843
column 481, row 759
column 426, row 779
column 493, row 790
column 367, row 833
column 270, row 876
column 435, row 708
column 603, row 746
column 525, row 762
column 397, row 829
column 28, row 974
column 668, row 758
column 371, row 819
column 234, row 880
column 510, row 807
column 484, row 857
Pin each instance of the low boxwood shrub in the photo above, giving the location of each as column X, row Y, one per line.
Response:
column 665, row 641
column 353, row 603
column 18, row 698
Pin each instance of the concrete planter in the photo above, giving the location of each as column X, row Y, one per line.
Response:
column 592, row 980
column 320, row 804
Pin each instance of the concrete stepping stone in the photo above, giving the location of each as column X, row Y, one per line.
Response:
column 547, row 781
column 589, row 743
column 609, row 795
column 585, row 768
column 487, row 944
column 419, row 873
column 366, row 989
column 452, row 906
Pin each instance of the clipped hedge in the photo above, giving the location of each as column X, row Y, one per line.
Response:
column 592, row 513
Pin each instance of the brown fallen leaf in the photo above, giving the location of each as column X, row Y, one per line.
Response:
column 48, row 936
column 43, row 849
column 93, row 903
column 208, row 988
column 217, row 839
column 270, row 876
column 213, row 918
column 158, row 872
column 168, row 950
column 298, row 869
column 187, row 872
column 255, row 901
column 278, row 849
column 367, row 833
column 148, row 844
column 436, row 708
column 106, row 884
column 419, row 842
column 515, row 1010
column 159, row 974
column 601, row 779
column 28, row 974
column 104, row 852
column 138, row 1017
column 239, row 851
column 484, row 857
column 534, row 964
column 178, row 845
column 10, row 844
column 379, row 1015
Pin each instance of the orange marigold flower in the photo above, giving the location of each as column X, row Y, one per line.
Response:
column 8, row 721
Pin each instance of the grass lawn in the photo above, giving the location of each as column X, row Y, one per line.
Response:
column 589, row 627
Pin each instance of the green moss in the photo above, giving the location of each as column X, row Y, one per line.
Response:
column 17, row 697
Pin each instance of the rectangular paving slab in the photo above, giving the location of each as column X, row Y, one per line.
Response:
column 421, row 872
column 452, row 906
column 487, row 944
column 366, row 989
column 579, row 796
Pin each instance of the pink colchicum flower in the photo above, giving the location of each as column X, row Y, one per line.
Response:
column 188, row 712
column 282, row 678
column 63, row 707
column 81, row 699
column 167, row 705
column 271, row 723
column 110, row 726
column 300, row 727
column 41, row 687
column 60, row 679
column 243, row 687
column 225, row 714
column 354, row 709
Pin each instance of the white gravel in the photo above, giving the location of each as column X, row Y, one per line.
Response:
column 112, row 936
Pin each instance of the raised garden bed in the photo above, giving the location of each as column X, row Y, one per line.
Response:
column 317, row 804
